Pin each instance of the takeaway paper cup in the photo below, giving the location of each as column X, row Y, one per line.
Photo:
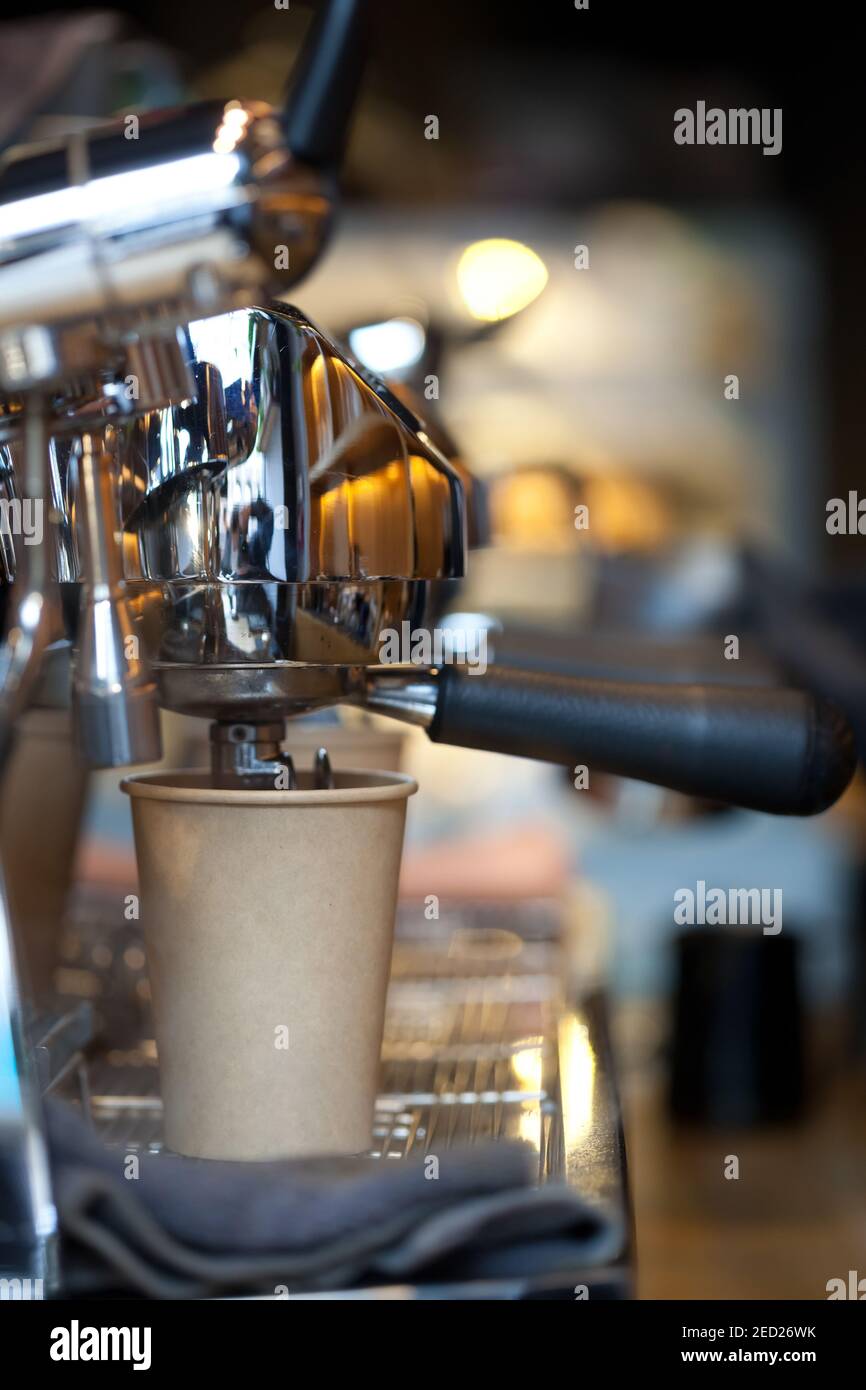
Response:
column 268, row 919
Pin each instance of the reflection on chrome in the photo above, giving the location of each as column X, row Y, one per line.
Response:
column 297, row 467
column 289, row 511
column 527, row 1066
column 577, row 1069
column 529, row 1125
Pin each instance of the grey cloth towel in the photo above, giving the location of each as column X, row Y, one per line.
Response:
column 189, row 1228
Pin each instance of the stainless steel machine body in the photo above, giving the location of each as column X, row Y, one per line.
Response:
column 238, row 512
column 289, row 514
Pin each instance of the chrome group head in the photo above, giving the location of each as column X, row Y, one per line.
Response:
column 224, row 486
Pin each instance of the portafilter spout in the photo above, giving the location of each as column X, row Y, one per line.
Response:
column 250, row 755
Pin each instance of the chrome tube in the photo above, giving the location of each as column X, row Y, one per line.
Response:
column 114, row 694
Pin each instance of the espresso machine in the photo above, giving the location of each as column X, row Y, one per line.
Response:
column 235, row 511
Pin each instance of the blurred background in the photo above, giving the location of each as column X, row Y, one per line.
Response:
column 650, row 357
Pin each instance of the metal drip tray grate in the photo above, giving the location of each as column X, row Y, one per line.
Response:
column 463, row 1061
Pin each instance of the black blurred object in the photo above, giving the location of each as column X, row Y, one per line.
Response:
column 61, row 71
column 781, row 751
column 857, row 984
column 737, row 1048
column 633, row 655
column 325, row 83
column 815, row 632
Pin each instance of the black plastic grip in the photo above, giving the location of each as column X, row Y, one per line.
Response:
column 783, row 751
column 325, row 83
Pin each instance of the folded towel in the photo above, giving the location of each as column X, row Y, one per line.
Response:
column 189, row 1228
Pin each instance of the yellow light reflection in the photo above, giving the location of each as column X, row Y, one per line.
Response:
column 576, row 1078
column 529, row 1125
column 526, row 1066
column 498, row 278
column 232, row 128
column 534, row 510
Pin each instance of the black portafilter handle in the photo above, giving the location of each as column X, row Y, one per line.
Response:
column 325, row 82
column 783, row 751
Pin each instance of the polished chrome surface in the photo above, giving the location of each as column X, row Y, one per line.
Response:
column 407, row 694
column 114, row 694
column 262, row 624
column 289, row 464
column 194, row 212
column 323, row 774
column 8, row 499
column 274, row 502
column 250, row 754
column 255, row 693
column 321, row 474
column 280, row 689
column 291, row 512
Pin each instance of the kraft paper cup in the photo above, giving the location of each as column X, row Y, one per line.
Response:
column 268, row 920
